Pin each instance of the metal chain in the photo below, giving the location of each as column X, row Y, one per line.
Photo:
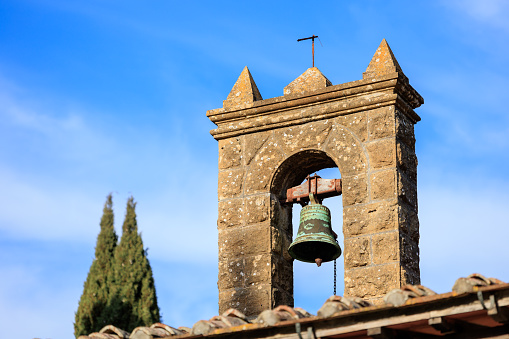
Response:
column 334, row 276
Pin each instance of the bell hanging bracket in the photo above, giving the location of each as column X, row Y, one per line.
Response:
column 321, row 189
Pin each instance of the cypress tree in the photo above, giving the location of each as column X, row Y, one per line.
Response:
column 134, row 301
column 89, row 317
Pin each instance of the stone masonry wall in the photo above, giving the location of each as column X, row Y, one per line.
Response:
column 364, row 128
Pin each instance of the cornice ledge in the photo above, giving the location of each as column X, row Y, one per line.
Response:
column 285, row 102
column 249, row 125
column 412, row 97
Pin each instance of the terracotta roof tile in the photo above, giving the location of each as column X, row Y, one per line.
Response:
column 468, row 296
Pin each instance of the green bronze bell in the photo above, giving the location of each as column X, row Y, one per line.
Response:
column 315, row 241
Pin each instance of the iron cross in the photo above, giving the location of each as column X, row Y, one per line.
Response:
column 312, row 44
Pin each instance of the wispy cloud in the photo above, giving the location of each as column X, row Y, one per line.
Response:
column 489, row 12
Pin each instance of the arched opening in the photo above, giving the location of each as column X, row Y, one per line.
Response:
column 312, row 285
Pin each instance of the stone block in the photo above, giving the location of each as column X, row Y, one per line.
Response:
column 385, row 247
column 257, row 208
column 231, row 274
column 373, row 281
column 283, row 239
column 355, row 189
column 257, row 239
column 259, row 269
column 370, row 218
column 405, row 130
column 230, row 183
column 383, row 185
column 281, row 216
column 381, row 123
column 249, row 300
column 231, row 243
column 311, row 80
column 409, row 222
column 357, row 252
column 252, row 144
column 281, row 297
column 276, row 241
column 347, row 152
column 409, row 254
column 230, row 153
column 262, row 167
column 407, row 190
column 406, row 161
column 283, row 274
column 410, row 276
column 310, row 135
column 382, row 153
column 230, row 213
column 357, row 123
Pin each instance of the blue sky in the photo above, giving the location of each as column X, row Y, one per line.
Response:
column 110, row 96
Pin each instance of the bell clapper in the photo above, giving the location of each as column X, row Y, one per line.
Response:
column 318, row 262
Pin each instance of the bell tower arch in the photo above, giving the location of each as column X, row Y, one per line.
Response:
column 366, row 129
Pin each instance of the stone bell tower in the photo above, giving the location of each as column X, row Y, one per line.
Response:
column 366, row 129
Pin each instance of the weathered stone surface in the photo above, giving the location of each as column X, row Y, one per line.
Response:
column 347, row 151
column 382, row 153
column 405, row 129
column 283, row 274
column 357, row 123
column 281, row 297
column 311, row 80
column 257, row 239
column 257, row 208
column 373, row 281
column 262, row 167
column 244, row 241
column 409, row 251
column 230, row 153
column 357, row 252
column 243, row 93
column 252, row 144
column 249, row 300
column 230, row 183
column 281, row 216
column 230, row 243
column 406, row 161
column 409, row 222
column 385, row 248
column 281, row 241
column 383, row 62
column 355, row 190
column 407, row 191
column 381, row 123
column 231, row 274
column 383, row 185
column 370, row 218
column 277, row 240
column 310, row 135
column 230, row 213
column 258, row 269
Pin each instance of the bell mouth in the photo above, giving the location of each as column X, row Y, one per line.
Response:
column 308, row 250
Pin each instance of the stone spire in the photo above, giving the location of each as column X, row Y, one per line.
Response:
column 311, row 80
column 382, row 62
column 243, row 93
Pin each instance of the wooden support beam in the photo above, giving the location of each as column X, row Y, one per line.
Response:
column 442, row 325
column 497, row 313
column 380, row 333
